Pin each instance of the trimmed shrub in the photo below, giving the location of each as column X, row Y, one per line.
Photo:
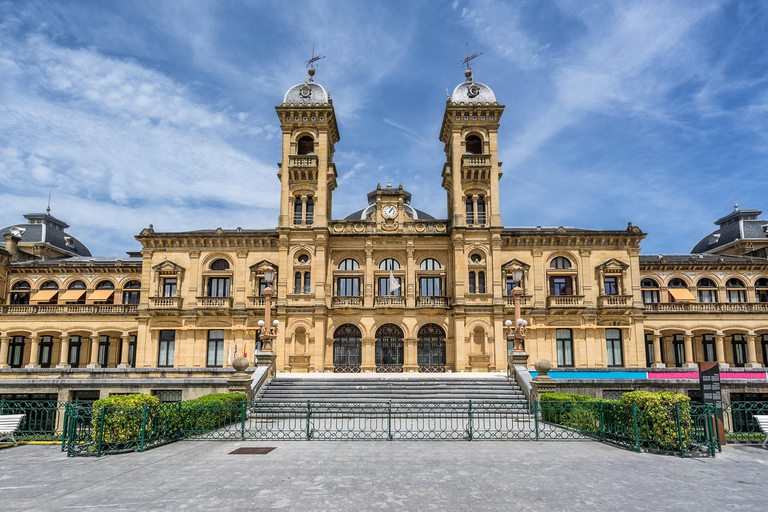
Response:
column 123, row 416
column 579, row 412
column 657, row 417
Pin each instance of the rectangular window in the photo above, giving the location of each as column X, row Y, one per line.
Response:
column 707, row 295
column 470, row 213
column 169, row 287
column 215, row 348
column 613, row 347
column 75, row 344
column 384, row 287
column 310, row 212
column 471, row 282
column 430, row 287
column 348, row 287
column 650, row 296
column 739, row 350
column 678, row 347
column 511, row 284
column 481, row 282
column 736, row 295
column 307, row 283
column 649, row 353
column 560, row 285
column 218, row 287
column 564, row 347
column 481, row 210
column 297, row 212
column 16, row 352
column 297, row 283
column 44, row 351
column 611, row 285
column 760, row 295
column 168, row 396
column 103, row 358
column 167, row 341
column 708, row 346
column 131, row 296
column 132, row 351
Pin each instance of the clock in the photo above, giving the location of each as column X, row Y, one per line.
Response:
column 389, row 212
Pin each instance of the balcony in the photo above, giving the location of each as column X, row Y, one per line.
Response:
column 389, row 302
column 69, row 309
column 524, row 300
column 565, row 301
column 214, row 302
column 432, row 302
column 302, row 161
column 614, row 301
column 707, row 307
column 260, row 302
column 346, row 302
column 165, row 302
column 483, row 160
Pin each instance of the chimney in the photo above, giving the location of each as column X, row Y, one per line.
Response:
column 12, row 245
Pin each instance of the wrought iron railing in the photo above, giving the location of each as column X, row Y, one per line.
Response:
column 740, row 424
column 43, row 419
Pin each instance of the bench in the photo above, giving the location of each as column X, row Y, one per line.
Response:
column 9, row 424
column 762, row 421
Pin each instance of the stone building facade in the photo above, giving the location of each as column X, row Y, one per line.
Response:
column 387, row 289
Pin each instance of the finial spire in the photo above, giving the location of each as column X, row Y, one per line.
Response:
column 735, row 207
column 48, row 210
column 468, row 72
column 311, row 70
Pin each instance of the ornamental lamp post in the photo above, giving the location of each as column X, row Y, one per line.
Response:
column 267, row 331
column 517, row 335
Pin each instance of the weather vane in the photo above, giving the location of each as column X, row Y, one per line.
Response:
column 313, row 59
column 465, row 61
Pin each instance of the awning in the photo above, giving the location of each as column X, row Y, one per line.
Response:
column 71, row 295
column 681, row 295
column 100, row 295
column 43, row 296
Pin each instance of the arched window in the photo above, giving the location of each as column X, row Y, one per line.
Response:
column 650, row 291
column 389, row 348
column 707, row 290
column 430, row 264
column 20, row 294
column 431, row 348
column 761, row 294
column 677, row 283
column 347, row 349
column 560, row 262
column 220, row 264
column 735, row 290
column 104, row 294
column 474, row 145
column 48, row 293
column 349, row 264
column 105, row 285
column 389, row 264
column 131, row 292
column 306, row 145
column 75, row 293
column 50, row 285
column 303, row 259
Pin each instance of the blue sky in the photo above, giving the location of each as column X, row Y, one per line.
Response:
column 162, row 112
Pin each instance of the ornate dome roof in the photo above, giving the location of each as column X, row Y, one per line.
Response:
column 472, row 92
column 308, row 93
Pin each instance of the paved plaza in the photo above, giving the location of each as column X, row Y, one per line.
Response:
column 381, row 475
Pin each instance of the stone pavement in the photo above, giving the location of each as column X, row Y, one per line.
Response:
column 382, row 475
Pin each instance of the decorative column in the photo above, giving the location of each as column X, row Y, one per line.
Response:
column 94, row 352
column 410, row 356
column 688, row 340
column 3, row 351
column 751, row 352
column 657, row 352
column 720, row 344
column 369, row 355
column 124, row 352
column 64, row 352
column 34, row 351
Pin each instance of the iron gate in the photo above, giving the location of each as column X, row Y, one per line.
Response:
column 347, row 349
column 431, row 349
column 389, row 349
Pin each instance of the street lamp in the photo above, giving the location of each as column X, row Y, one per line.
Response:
column 267, row 330
column 517, row 334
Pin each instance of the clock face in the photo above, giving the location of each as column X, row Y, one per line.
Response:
column 389, row 212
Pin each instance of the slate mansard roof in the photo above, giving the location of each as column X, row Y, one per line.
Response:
column 43, row 228
column 739, row 225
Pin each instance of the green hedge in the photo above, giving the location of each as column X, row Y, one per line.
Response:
column 654, row 420
column 123, row 422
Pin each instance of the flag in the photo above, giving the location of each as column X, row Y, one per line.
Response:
column 393, row 284
column 229, row 359
column 235, row 350
column 245, row 351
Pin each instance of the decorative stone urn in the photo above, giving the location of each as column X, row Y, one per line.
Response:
column 543, row 366
column 240, row 381
column 240, row 364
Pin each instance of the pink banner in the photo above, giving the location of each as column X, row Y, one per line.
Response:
column 673, row 375
column 742, row 375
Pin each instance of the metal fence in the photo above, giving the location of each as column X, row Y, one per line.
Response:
column 740, row 424
column 43, row 419
column 683, row 430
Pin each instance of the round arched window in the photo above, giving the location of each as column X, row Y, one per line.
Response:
column 306, row 145
column 430, row 264
column 389, row 264
column 474, row 145
column 76, row 285
column 220, row 264
column 105, row 285
column 560, row 262
column 349, row 264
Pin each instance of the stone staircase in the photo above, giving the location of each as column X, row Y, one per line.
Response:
column 447, row 388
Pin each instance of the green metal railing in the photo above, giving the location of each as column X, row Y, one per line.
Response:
column 682, row 430
column 43, row 419
column 740, row 424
